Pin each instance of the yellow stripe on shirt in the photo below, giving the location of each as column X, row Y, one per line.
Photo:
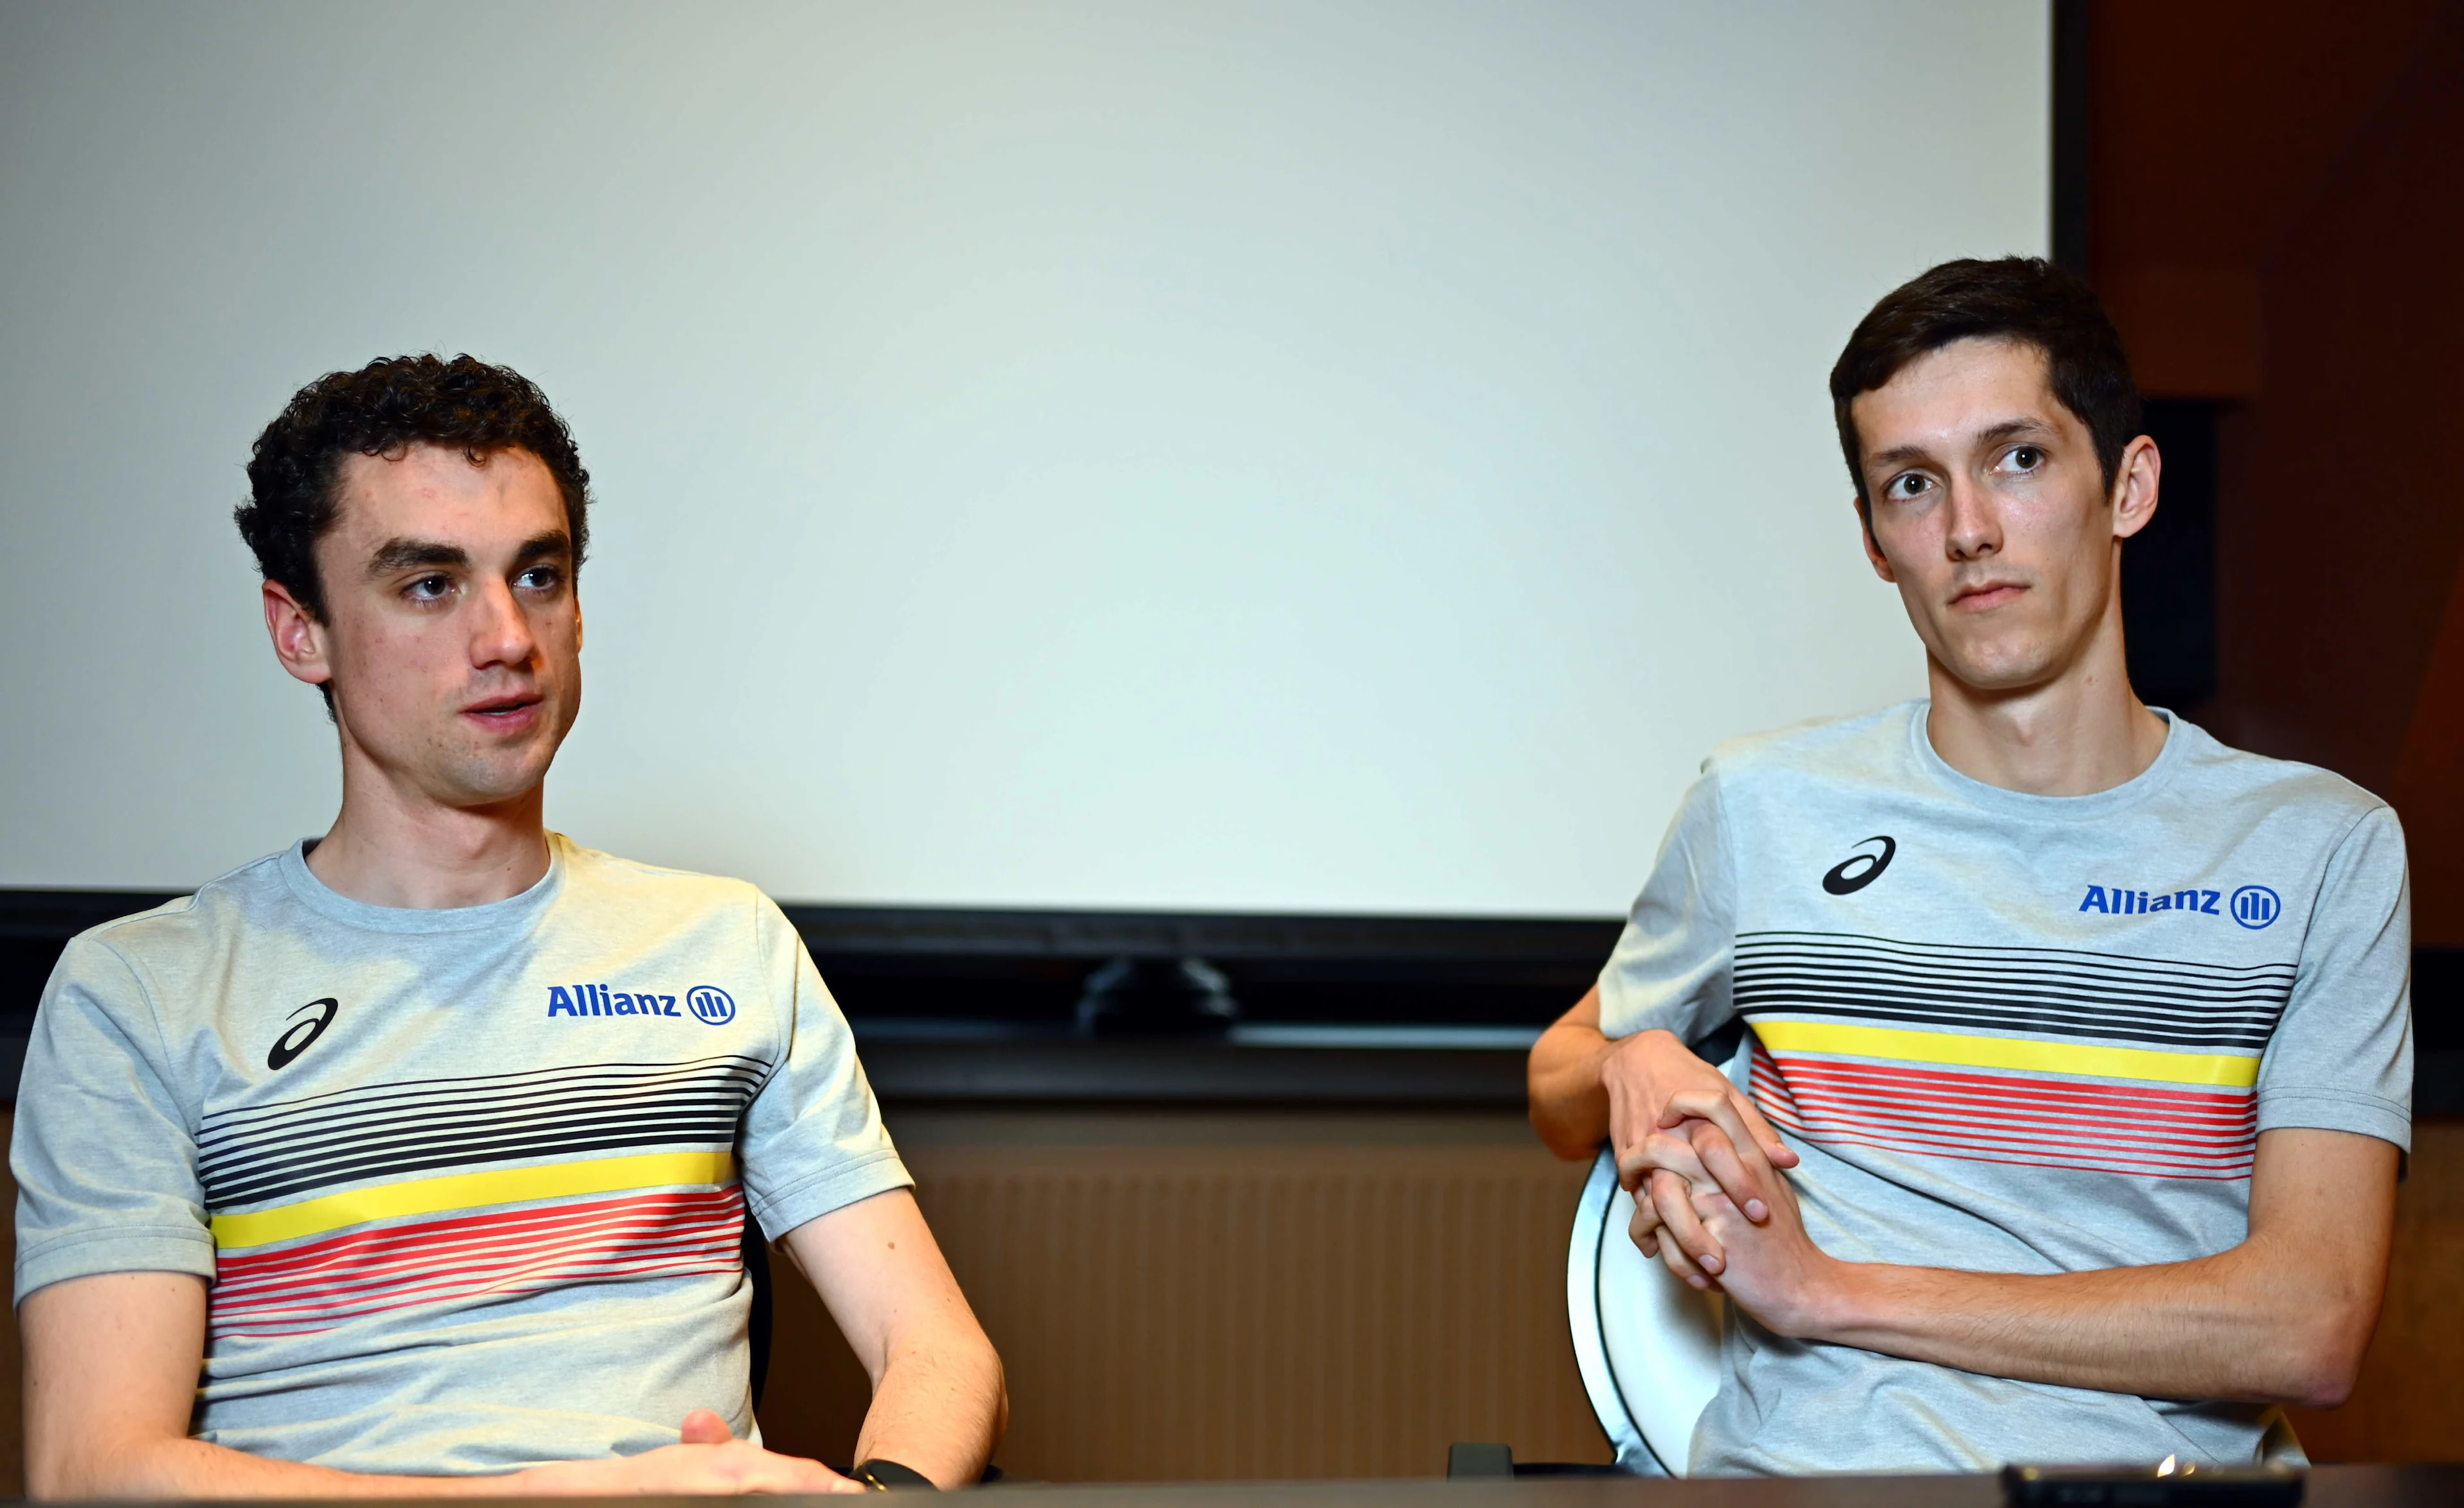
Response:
column 507, row 1186
column 2230, row 1070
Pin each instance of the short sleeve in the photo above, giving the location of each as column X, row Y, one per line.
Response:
column 104, row 1158
column 813, row 1140
column 2342, row 1055
column 1671, row 970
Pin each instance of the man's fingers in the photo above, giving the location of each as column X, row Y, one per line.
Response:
column 1646, row 1218
column 768, row 1472
column 704, row 1427
column 1721, row 1110
column 1778, row 1153
column 1743, row 1185
column 812, row 1477
column 1676, row 1154
column 1679, row 1264
column 1679, row 1229
column 1718, row 1106
column 1659, row 1150
column 1733, row 1112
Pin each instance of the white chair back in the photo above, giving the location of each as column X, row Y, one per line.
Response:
column 1648, row 1346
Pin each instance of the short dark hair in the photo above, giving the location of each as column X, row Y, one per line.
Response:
column 391, row 404
column 2025, row 300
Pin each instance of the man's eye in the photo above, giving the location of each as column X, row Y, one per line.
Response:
column 429, row 588
column 1907, row 485
column 538, row 577
column 2027, row 457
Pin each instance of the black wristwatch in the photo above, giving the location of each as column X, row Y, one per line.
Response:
column 883, row 1476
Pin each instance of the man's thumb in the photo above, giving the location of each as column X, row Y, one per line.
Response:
column 704, row 1427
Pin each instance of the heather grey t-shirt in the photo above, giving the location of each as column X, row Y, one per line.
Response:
column 2016, row 1034
column 469, row 1186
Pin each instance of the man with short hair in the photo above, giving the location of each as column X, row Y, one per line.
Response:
column 415, row 1159
column 2077, row 1056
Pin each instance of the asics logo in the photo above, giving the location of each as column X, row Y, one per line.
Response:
column 1860, row 869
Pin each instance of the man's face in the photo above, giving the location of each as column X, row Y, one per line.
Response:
column 452, row 636
column 1989, row 512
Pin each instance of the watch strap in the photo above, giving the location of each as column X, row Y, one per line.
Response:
column 881, row 1476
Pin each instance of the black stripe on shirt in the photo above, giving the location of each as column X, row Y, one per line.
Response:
column 284, row 1152
column 2052, row 992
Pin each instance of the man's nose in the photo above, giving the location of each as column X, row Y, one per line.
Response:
column 1970, row 527
column 500, row 633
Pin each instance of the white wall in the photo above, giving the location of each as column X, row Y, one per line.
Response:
column 1337, row 454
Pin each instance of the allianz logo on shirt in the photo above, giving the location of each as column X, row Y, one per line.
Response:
column 2254, row 907
column 707, row 1003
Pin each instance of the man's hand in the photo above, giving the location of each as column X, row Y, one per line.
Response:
column 2283, row 1316
column 708, row 1460
column 1659, row 1093
column 1638, row 1092
column 1770, row 1268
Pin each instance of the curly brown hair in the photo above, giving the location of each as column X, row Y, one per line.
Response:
column 392, row 403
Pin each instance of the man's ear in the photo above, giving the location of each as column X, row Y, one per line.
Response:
column 1865, row 537
column 2135, row 487
column 298, row 638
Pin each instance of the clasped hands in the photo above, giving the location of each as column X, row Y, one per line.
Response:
column 1710, row 1199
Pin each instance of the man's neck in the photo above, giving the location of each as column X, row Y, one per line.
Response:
column 2083, row 731
column 393, row 848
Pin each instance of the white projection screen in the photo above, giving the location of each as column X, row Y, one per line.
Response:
column 1330, row 457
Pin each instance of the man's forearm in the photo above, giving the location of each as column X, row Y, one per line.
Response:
column 193, row 1469
column 1569, row 1105
column 2226, row 1326
column 940, row 1409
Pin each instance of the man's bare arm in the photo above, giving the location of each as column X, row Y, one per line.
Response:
column 2283, row 1318
column 111, row 1374
column 1569, row 1105
column 939, row 1404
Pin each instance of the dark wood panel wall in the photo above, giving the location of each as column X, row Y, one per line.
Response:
column 2275, row 199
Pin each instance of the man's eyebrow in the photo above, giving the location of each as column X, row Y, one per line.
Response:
column 1897, row 456
column 554, row 544
column 2018, row 429
column 403, row 554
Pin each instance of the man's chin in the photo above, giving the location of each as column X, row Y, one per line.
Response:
column 473, row 784
column 2001, row 669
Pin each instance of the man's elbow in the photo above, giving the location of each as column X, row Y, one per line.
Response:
column 1559, row 1134
column 58, row 1470
column 1568, row 1106
column 2321, row 1358
column 2326, row 1375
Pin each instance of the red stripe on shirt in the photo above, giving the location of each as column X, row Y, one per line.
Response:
column 2145, row 1130
column 319, row 1284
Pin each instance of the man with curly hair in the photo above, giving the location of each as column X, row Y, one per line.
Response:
column 416, row 1158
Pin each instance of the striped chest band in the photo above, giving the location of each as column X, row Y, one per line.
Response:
column 459, row 1191
column 2030, row 1056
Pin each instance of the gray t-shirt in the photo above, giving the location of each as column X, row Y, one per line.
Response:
column 2016, row 1033
column 469, row 1185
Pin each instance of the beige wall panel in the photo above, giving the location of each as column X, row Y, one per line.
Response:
column 1220, row 1295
